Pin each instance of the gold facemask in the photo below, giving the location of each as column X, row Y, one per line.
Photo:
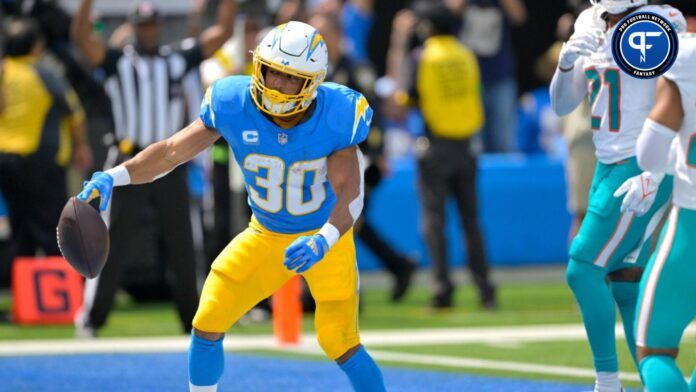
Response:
column 274, row 102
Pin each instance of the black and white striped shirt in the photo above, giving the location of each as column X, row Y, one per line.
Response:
column 147, row 91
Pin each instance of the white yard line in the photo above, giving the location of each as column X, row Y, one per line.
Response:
column 517, row 334
column 475, row 363
column 372, row 339
column 375, row 338
column 469, row 363
column 124, row 345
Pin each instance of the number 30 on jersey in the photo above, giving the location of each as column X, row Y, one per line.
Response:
column 271, row 174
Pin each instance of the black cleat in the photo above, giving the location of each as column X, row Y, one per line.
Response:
column 443, row 300
column 489, row 304
column 402, row 281
column 488, row 299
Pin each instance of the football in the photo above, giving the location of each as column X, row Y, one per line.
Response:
column 83, row 237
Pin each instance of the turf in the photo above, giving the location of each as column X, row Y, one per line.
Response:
column 167, row 372
column 564, row 353
column 520, row 303
column 556, row 353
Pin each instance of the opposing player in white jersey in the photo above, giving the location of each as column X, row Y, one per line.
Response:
column 611, row 244
column 668, row 288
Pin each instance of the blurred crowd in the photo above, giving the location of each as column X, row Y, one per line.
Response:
column 62, row 69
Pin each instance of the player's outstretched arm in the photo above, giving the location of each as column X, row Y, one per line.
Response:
column 345, row 172
column 153, row 162
column 164, row 156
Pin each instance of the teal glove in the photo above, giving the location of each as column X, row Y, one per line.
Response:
column 99, row 186
column 304, row 252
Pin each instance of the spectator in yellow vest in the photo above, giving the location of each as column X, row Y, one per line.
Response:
column 445, row 87
column 34, row 103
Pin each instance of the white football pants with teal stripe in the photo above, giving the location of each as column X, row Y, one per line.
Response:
column 668, row 302
column 607, row 258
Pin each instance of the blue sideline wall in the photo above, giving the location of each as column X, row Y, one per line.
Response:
column 522, row 208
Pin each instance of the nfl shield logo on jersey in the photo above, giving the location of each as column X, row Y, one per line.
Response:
column 282, row 138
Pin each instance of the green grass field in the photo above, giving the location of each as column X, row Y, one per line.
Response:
column 520, row 304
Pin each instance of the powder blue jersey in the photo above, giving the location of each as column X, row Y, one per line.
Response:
column 285, row 169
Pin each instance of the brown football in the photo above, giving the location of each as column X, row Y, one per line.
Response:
column 83, row 237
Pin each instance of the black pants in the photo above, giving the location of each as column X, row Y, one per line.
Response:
column 35, row 191
column 169, row 198
column 447, row 168
column 394, row 262
column 221, row 232
column 231, row 211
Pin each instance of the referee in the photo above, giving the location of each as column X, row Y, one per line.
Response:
column 144, row 81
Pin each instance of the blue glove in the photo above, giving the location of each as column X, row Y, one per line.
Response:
column 304, row 252
column 99, row 186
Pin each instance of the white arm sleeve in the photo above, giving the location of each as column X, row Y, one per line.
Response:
column 654, row 146
column 355, row 207
column 567, row 90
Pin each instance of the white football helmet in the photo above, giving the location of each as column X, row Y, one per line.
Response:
column 618, row 6
column 293, row 48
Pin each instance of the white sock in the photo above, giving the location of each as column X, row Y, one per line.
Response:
column 207, row 388
column 607, row 382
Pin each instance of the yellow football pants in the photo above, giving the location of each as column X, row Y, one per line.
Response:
column 251, row 268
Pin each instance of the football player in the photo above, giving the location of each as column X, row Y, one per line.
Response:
column 667, row 291
column 608, row 255
column 296, row 142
